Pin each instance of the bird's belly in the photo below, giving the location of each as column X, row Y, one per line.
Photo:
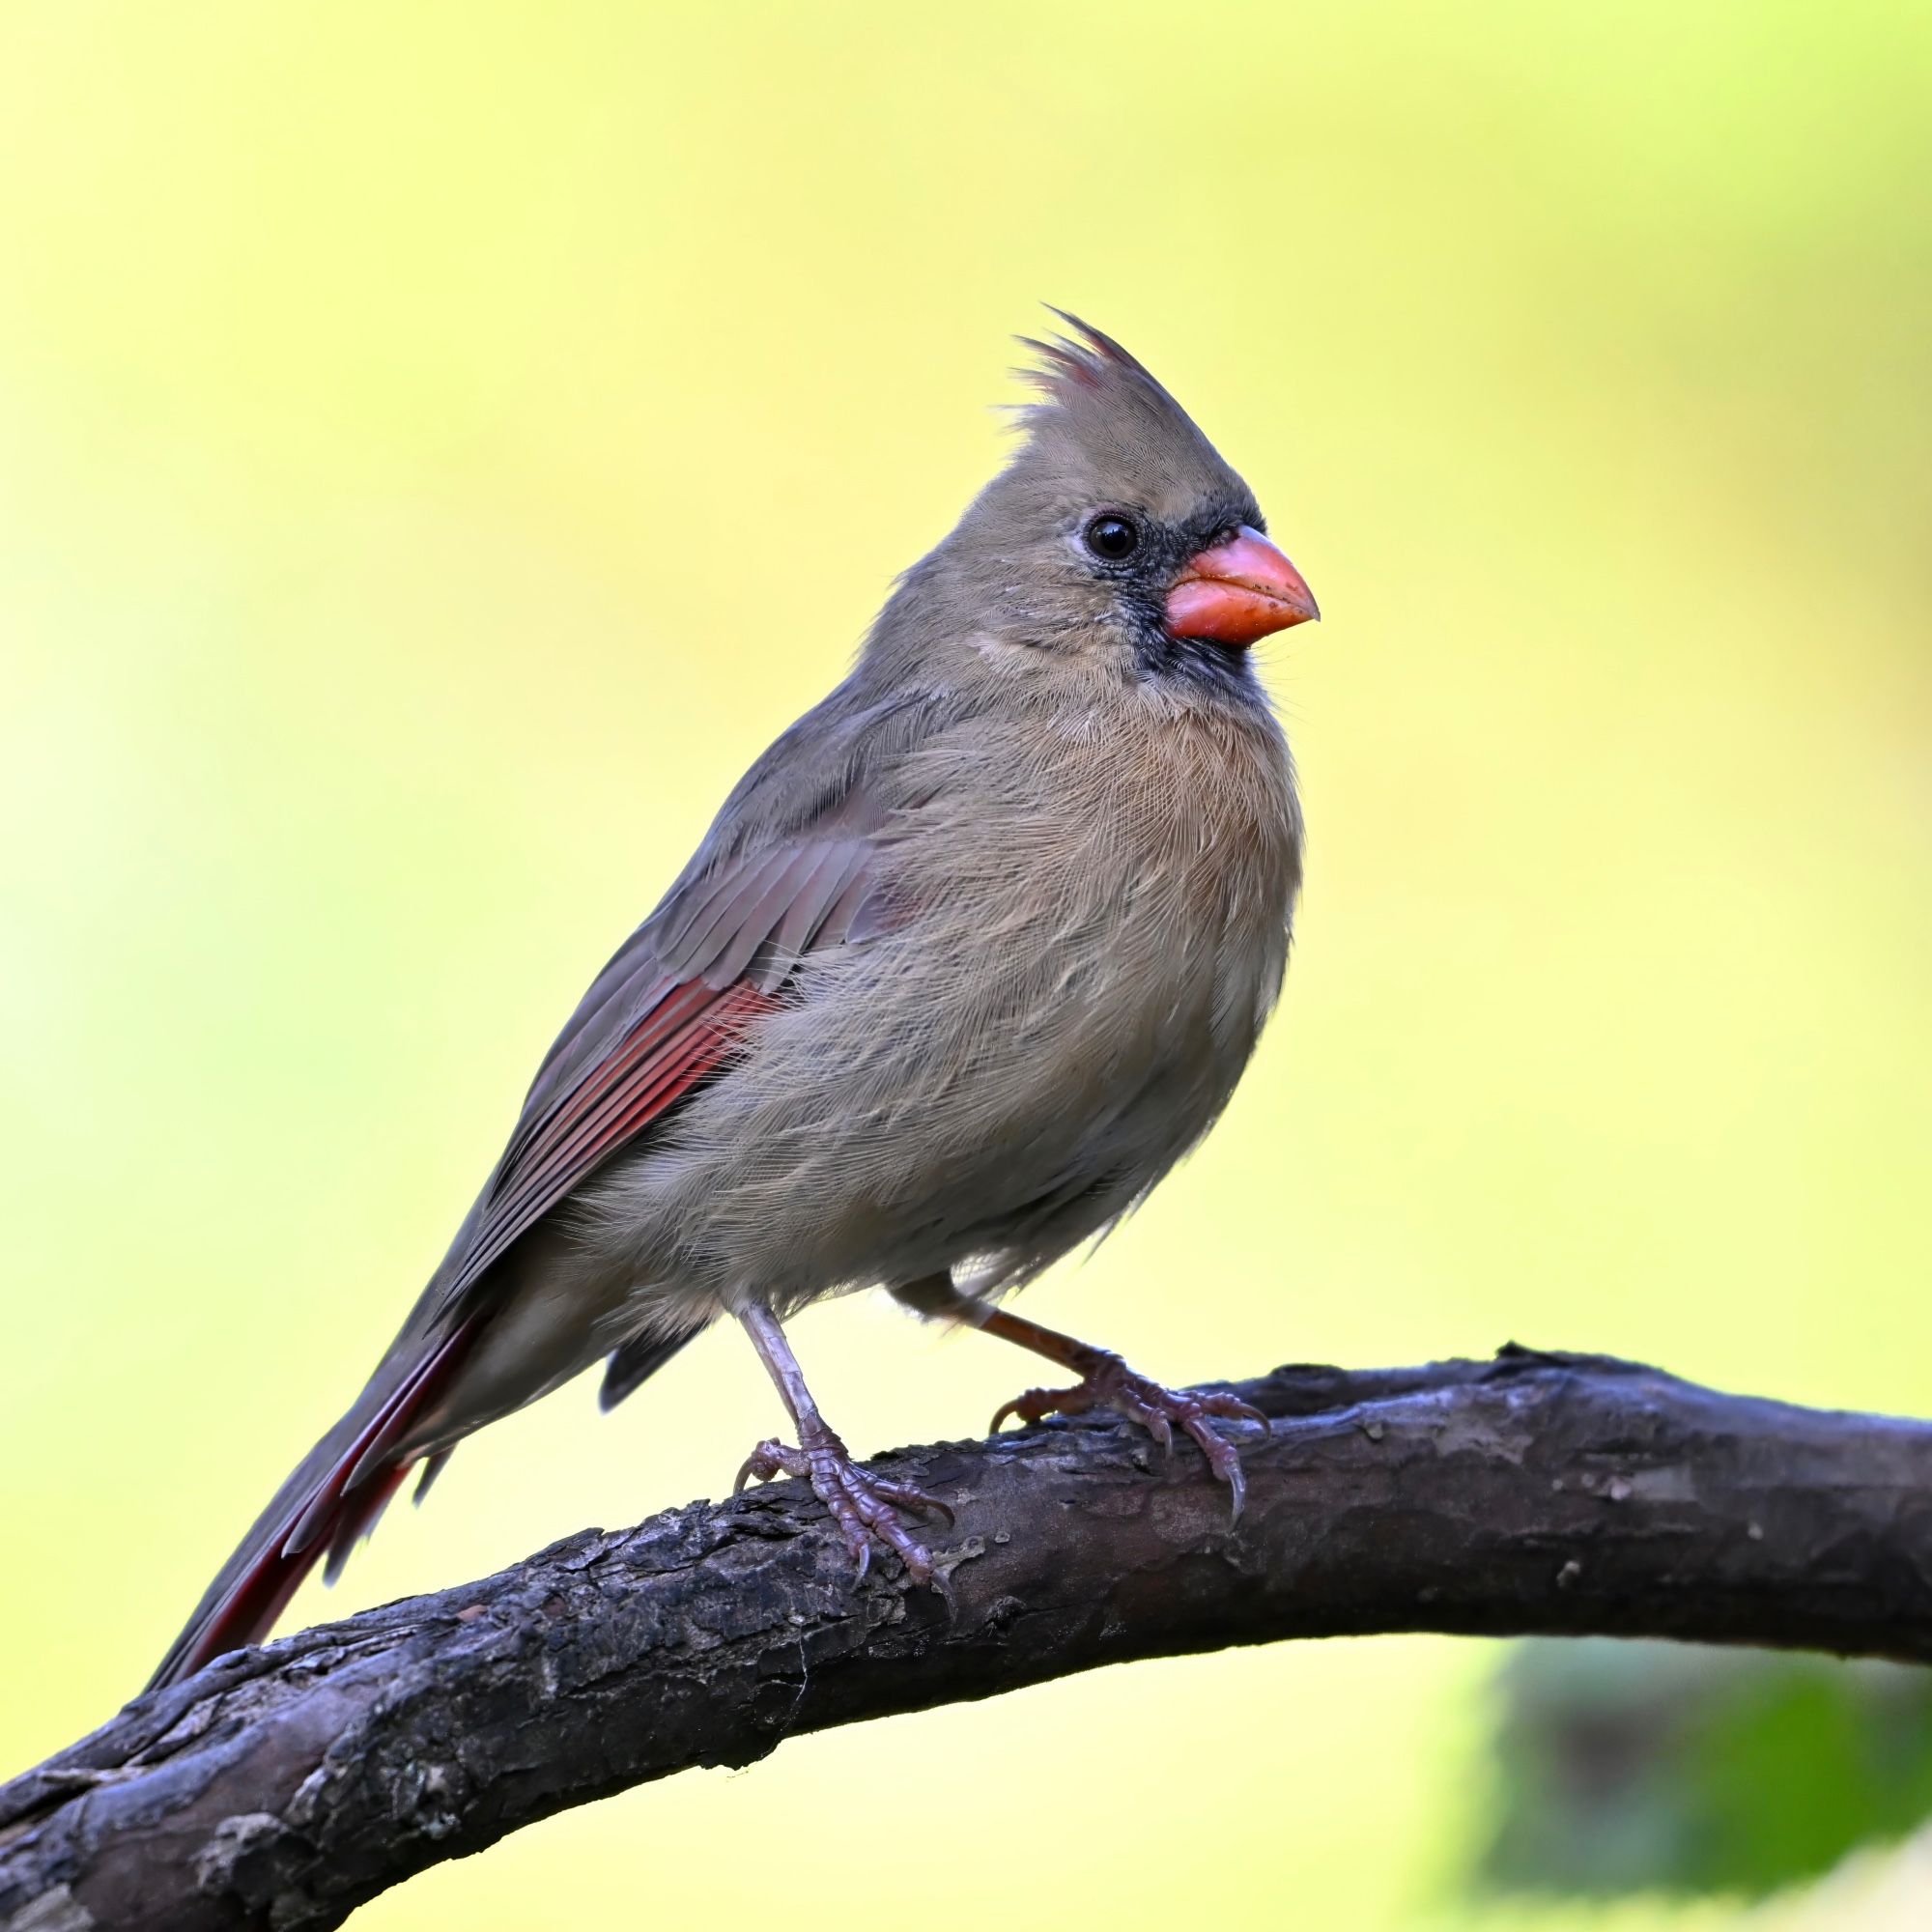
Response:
column 890, row 1125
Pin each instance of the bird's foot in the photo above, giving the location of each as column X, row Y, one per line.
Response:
column 1107, row 1383
column 865, row 1507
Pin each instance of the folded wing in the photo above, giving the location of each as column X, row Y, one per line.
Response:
column 668, row 1013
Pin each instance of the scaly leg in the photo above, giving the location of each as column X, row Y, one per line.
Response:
column 1105, row 1381
column 862, row 1506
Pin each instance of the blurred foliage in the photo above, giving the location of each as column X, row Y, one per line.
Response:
column 1655, row 1767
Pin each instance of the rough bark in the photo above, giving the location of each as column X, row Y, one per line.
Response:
column 283, row 1786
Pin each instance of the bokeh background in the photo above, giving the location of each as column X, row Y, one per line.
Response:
column 440, row 445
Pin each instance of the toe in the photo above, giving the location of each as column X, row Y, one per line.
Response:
column 854, row 1528
column 910, row 1551
column 874, row 1504
column 771, row 1458
column 1036, row 1405
column 901, row 1496
column 863, row 1510
column 1219, row 1402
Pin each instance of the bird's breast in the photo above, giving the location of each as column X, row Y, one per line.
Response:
column 1098, row 913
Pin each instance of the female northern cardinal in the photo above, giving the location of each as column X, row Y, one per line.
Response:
column 969, row 959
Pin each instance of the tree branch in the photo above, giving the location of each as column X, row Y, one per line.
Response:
column 283, row 1786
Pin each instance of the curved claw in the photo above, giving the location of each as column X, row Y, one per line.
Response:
column 1030, row 1407
column 1224, row 1460
column 1158, row 1427
column 766, row 1460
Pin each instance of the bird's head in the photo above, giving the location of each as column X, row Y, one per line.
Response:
column 1116, row 535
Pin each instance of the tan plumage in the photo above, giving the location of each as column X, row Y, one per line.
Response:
column 974, row 954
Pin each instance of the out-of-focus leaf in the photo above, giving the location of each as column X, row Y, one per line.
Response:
column 1627, row 1767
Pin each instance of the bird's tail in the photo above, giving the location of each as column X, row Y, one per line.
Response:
column 329, row 1504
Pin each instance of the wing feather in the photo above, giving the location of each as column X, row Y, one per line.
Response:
column 668, row 1009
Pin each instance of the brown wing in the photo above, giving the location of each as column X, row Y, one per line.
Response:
column 666, row 1012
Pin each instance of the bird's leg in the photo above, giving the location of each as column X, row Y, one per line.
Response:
column 862, row 1506
column 1105, row 1381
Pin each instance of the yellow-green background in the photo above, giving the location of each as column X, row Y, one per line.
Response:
column 440, row 444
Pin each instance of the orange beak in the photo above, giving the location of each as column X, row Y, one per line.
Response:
column 1237, row 592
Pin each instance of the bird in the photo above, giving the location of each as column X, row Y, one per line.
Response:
column 971, row 957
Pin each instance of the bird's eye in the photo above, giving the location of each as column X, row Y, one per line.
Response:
column 1113, row 538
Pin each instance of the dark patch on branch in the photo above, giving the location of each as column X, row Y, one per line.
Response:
column 1560, row 1495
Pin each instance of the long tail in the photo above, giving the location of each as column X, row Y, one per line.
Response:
column 324, row 1507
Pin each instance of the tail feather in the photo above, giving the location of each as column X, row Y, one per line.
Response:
column 362, row 1510
column 432, row 1468
column 365, row 1460
column 327, row 1505
column 633, row 1360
